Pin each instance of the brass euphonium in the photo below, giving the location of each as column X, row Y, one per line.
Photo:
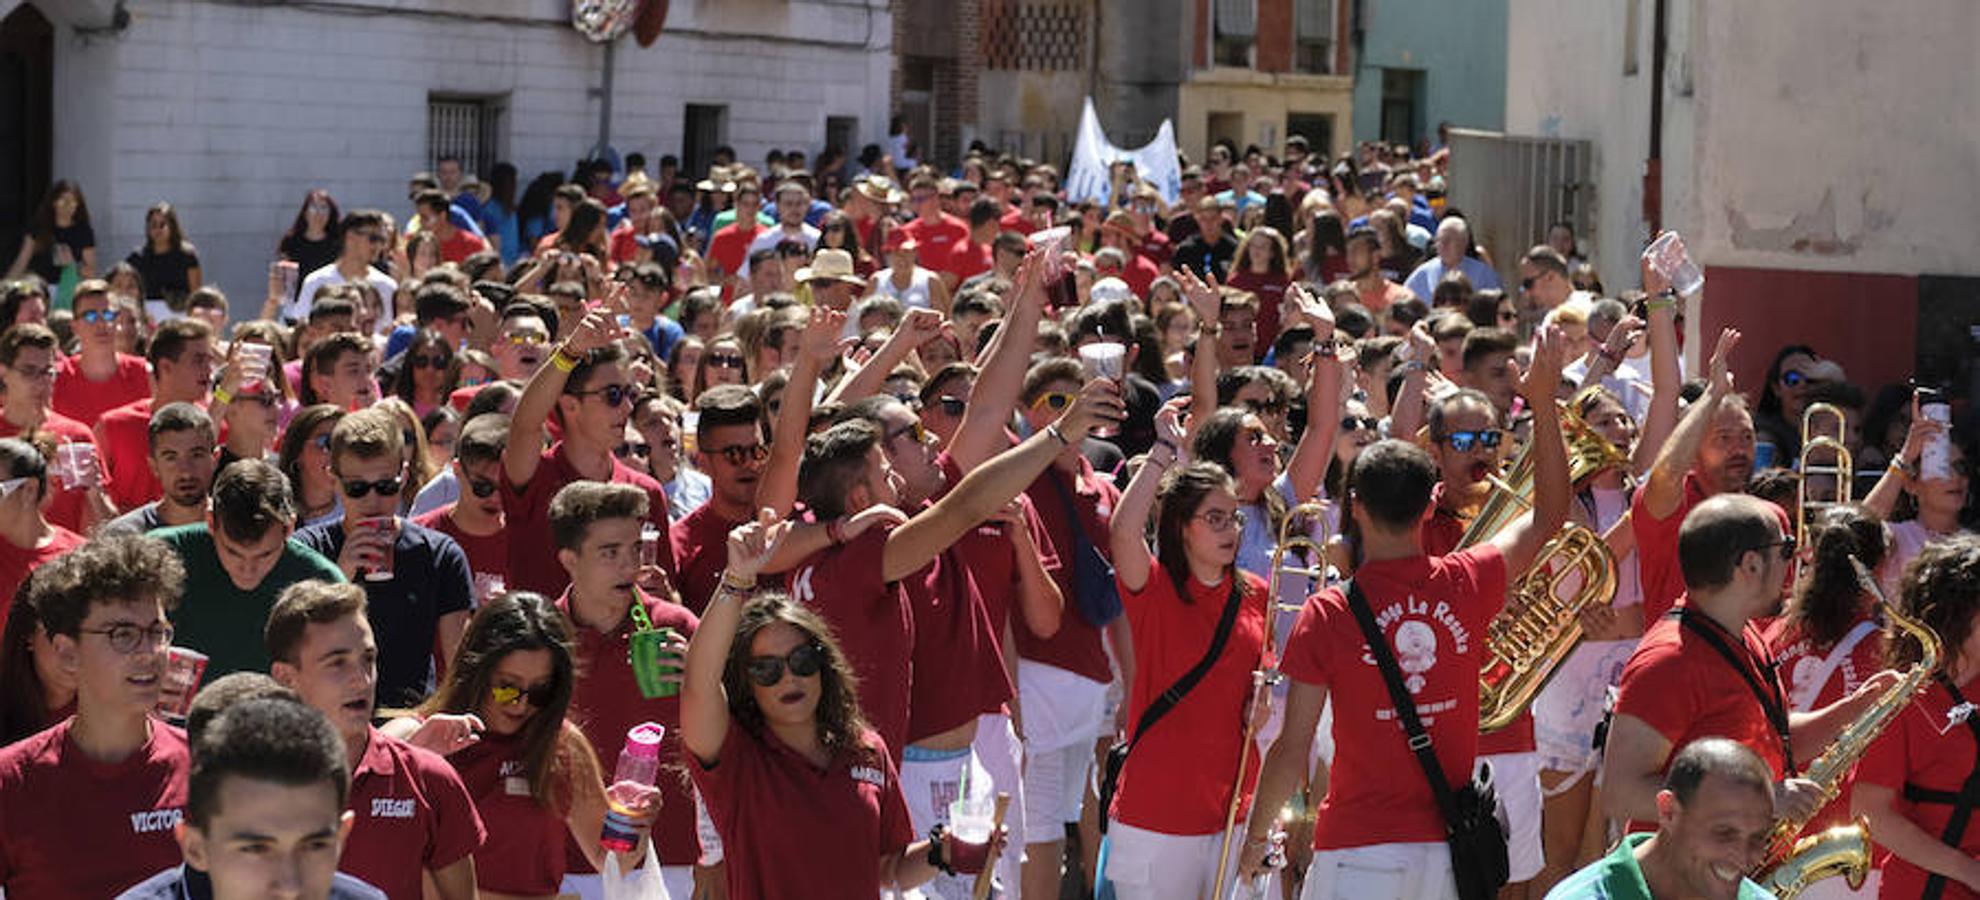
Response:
column 1812, row 497
column 1293, row 536
column 1539, row 628
column 1792, row 865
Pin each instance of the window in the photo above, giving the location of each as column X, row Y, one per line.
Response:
column 1313, row 36
column 1317, row 128
column 842, row 132
column 465, row 127
column 1402, row 105
column 705, row 128
column 1236, row 28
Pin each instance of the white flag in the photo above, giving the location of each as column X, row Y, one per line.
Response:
column 1154, row 162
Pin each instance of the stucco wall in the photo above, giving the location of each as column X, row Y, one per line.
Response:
column 1263, row 100
column 1460, row 45
column 230, row 112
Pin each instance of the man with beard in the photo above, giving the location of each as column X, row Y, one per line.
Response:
column 1715, row 809
column 1364, row 257
column 182, row 438
column 1705, row 671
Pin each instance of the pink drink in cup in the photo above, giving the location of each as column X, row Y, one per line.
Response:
column 390, row 526
column 75, row 465
column 180, row 681
column 1104, row 359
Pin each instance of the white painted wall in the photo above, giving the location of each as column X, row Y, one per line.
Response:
column 232, row 112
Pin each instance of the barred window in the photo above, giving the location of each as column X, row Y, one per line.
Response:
column 467, row 128
column 1236, row 28
column 1313, row 35
column 1023, row 36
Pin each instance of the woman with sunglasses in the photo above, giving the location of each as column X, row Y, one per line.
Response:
column 836, row 232
column 802, row 791
column 1168, row 813
column 722, row 363
column 423, row 378
column 305, row 459
column 1922, row 510
column 1777, row 418
column 500, row 717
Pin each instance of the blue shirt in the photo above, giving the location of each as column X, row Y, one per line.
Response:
column 1423, row 282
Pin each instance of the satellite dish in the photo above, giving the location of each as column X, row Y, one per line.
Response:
column 603, row 21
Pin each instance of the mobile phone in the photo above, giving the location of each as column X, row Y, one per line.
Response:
column 1935, row 459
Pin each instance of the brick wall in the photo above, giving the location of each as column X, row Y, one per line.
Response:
column 1274, row 49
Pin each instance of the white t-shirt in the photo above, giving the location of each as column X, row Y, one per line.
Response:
column 298, row 308
column 915, row 294
column 771, row 237
column 1908, row 539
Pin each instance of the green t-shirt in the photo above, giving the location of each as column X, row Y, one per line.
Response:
column 1617, row 877
column 222, row 621
column 727, row 217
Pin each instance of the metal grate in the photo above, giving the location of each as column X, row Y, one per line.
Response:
column 1514, row 187
column 1048, row 37
column 463, row 127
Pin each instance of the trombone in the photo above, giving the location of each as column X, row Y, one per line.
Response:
column 1822, row 429
column 1292, row 538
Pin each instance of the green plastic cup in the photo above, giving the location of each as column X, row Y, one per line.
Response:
column 651, row 660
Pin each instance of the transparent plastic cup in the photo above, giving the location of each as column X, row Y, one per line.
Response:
column 254, row 360
column 180, row 681
column 75, row 465
column 390, row 526
column 1667, row 255
column 1104, row 359
column 970, row 818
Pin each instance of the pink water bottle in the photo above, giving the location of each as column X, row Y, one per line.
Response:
column 639, row 768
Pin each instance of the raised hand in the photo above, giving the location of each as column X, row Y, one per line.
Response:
column 751, row 544
column 1099, row 403
column 1543, row 374
column 1203, row 296
column 595, row 330
column 821, row 333
column 1721, row 376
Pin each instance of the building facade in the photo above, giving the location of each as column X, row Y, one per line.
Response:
column 1418, row 65
column 230, row 111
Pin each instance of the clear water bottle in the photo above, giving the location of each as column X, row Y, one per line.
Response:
column 639, row 768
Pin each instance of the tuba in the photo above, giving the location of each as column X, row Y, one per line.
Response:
column 1792, row 865
column 1291, row 539
column 1538, row 628
column 1816, row 435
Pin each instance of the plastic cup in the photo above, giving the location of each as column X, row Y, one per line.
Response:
column 690, row 429
column 390, row 526
column 651, row 660
column 290, row 274
column 183, row 670
column 488, row 586
column 75, row 465
column 254, row 359
column 649, row 545
column 1104, row 359
column 970, row 818
column 1667, row 255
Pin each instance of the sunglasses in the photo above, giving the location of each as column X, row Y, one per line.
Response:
column 1786, row 543
column 1792, row 378
column 1507, row 315
column 803, row 662
column 952, row 406
column 725, row 360
column 612, row 394
column 1273, row 407
column 372, row 236
column 742, row 454
column 1463, row 441
column 482, row 487
column 629, row 449
column 98, row 316
column 1357, row 423
column 1526, row 284
column 1053, row 399
column 320, row 442
column 538, row 696
column 386, row 487
column 915, row 427
column 529, row 338
column 428, row 361
column 1218, row 520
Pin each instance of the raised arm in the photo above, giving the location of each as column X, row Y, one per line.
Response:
column 1407, row 413
column 1209, row 306
column 1898, row 477
column 1521, row 541
column 1664, row 487
column 1665, row 379
column 981, row 434
column 778, row 489
column 1127, row 531
column 1308, row 466
column 916, row 327
column 993, row 484
column 539, row 396
column 704, row 702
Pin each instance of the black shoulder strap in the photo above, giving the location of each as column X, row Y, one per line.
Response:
column 1419, row 738
column 1168, row 699
column 1772, row 701
column 1962, row 811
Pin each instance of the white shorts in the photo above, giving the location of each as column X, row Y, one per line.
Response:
column 1150, row 865
column 1388, row 871
column 930, row 781
column 1570, row 706
column 1061, row 709
column 1054, row 790
column 1000, row 754
column 1516, row 779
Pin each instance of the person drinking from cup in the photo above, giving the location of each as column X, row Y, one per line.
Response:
column 30, row 357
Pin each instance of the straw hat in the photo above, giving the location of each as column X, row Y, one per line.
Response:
column 831, row 265
column 879, row 189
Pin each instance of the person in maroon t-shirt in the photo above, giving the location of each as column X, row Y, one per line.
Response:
column 803, row 793
column 940, row 235
column 87, row 808
column 476, row 520
column 729, row 448
column 1679, row 686
column 29, row 355
column 500, row 718
column 596, row 528
column 415, row 821
column 586, row 384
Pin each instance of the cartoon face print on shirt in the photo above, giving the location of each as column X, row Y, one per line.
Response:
column 1421, row 632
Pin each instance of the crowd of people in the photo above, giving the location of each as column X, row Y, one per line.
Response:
column 893, row 496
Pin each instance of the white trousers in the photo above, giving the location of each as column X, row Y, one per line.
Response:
column 999, row 752
column 1150, row 865
column 1389, row 871
column 929, row 785
column 1516, row 779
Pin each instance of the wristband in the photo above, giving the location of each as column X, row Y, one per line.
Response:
column 1173, row 449
column 1663, row 301
column 1616, row 358
column 1412, row 366
column 221, row 396
column 1053, row 430
column 563, row 361
column 1903, row 468
column 835, row 529
column 735, row 583
column 935, row 842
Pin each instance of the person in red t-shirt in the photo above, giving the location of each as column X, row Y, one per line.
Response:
column 98, row 378
column 476, row 521
column 728, row 249
column 455, row 244
column 1435, row 610
column 27, row 539
column 1907, row 783
column 939, row 234
column 182, row 363
column 88, row 807
column 974, row 255
column 28, row 362
column 587, row 386
column 596, row 528
column 1263, row 268
column 1169, row 810
column 803, row 793
column 415, row 821
column 499, row 716
column 1703, row 671
column 729, row 448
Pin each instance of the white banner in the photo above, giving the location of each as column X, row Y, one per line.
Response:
column 1154, row 162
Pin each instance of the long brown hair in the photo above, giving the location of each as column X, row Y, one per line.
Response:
column 1827, row 603
column 841, row 725
column 1941, row 588
column 1180, row 496
column 513, row 622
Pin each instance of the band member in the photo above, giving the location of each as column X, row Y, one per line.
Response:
column 1704, row 671
column 1714, row 812
column 1379, row 831
column 1914, row 784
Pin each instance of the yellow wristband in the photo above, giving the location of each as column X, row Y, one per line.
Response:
column 221, row 396
column 564, row 362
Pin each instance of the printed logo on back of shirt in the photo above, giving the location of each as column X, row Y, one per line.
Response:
column 1414, row 626
column 801, row 586
column 391, row 808
column 155, row 820
column 868, row 775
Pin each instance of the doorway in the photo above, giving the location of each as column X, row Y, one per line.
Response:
column 27, row 79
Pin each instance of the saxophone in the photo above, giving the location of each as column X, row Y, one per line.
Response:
column 1792, row 865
